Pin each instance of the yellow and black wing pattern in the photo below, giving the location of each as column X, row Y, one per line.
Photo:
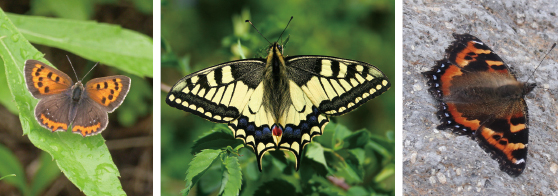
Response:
column 278, row 103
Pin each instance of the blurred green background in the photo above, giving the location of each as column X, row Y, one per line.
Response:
column 200, row 34
column 129, row 133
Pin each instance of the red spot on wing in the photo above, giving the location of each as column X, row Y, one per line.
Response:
column 276, row 130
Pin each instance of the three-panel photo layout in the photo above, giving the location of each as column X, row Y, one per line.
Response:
column 192, row 97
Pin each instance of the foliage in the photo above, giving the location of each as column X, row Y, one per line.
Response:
column 333, row 164
column 10, row 166
column 206, row 33
column 86, row 162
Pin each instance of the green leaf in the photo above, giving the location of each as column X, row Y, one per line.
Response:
column 356, row 191
column 5, row 95
column 47, row 173
column 75, row 9
column 315, row 151
column 233, row 176
column 85, row 161
column 9, row 175
column 198, row 167
column 218, row 138
column 276, row 187
column 11, row 166
column 112, row 45
column 357, row 139
column 387, row 171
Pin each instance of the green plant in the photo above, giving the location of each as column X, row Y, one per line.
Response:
column 339, row 162
column 86, row 162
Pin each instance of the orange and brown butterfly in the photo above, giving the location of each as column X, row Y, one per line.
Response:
column 64, row 104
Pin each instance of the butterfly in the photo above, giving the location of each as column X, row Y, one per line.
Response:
column 278, row 102
column 62, row 104
column 480, row 96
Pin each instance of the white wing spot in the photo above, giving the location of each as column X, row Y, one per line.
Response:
column 186, row 90
column 359, row 68
column 178, row 100
column 379, row 87
column 211, row 78
column 359, row 78
column 306, row 137
column 342, row 70
column 171, row 98
column 354, row 82
column 240, row 132
column 269, row 145
column 261, row 146
column 315, row 130
column 250, row 139
column 196, row 89
column 384, row 82
column 185, row 104
column 295, row 146
column 194, row 79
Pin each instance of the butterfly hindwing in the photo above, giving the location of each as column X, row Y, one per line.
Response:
column 218, row 93
column 93, row 118
column 336, row 86
column 52, row 112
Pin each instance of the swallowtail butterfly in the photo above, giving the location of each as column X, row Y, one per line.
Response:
column 278, row 102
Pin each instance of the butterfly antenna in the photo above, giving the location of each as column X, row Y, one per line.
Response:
column 72, row 67
column 91, row 69
column 280, row 36
column 553, row 45
column 258, row 31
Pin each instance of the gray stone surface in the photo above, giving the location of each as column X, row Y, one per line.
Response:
column 438, row 162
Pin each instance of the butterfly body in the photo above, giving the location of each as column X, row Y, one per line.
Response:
column 63, row 105
column 278, row 102
column 479, row 95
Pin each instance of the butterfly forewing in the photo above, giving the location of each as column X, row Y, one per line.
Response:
column 109, row 91
column 43, row 80
column 218, row 93
column 336, row 86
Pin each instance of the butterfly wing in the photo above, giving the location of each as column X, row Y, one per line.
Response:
column 218, row 93
column 43, row 80
column 52, row 112
column 500, row 126
column 91, row 118
column 109, row 92
column 334, row 85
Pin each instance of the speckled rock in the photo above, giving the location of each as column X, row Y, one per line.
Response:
column 438, row 162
